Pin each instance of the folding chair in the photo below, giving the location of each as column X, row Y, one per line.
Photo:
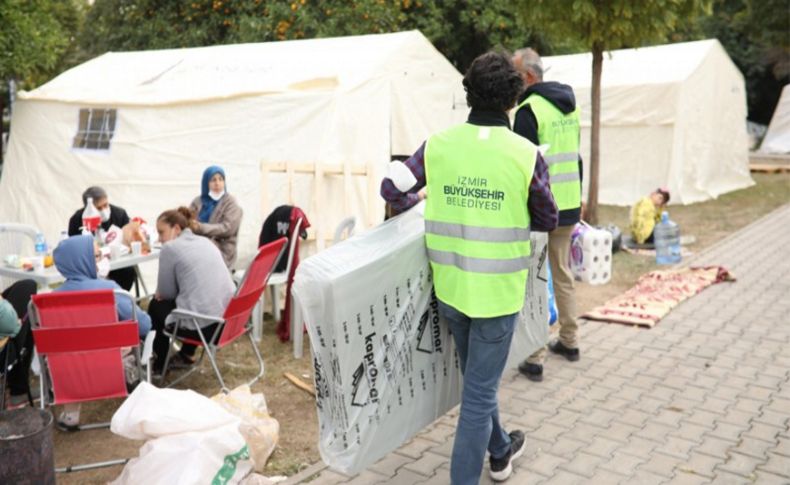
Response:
column 234, row 322
column 79, row 342
column 345, row 226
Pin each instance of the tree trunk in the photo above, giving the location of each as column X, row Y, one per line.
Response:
column 595, row 132
column 1, row 128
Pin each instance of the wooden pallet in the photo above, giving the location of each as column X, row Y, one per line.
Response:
column 768, row 168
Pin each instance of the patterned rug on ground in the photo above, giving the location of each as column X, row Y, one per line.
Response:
column 656, row 293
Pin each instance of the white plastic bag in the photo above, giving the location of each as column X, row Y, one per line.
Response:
column 192, row 439
column 150, row 412
column 216, row 456
column 260, row 431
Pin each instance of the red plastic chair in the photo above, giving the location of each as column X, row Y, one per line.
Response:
column 234, row 322
column 79, row 340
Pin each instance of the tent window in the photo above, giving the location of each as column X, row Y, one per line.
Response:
column 96, row 128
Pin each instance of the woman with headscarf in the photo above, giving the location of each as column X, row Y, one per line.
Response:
column 219, row 215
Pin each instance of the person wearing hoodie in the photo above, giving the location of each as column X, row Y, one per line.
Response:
column 547, row 115
column 111, row 215
column 218, row 214
column 81, row 263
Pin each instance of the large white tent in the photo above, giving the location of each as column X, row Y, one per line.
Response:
column 777, row 138
column 671, row 115
column 311, row 123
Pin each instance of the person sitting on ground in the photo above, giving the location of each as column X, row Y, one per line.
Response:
column 646, row 213
column 218, row 214
column 192, row 276
column 15, row 325
column 80, row 261
column 111, row 215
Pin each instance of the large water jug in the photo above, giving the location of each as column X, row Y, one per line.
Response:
column 666, row 237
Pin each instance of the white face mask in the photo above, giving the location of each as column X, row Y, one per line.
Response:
column 105, row 214
column 216, row 195
column 103, row 268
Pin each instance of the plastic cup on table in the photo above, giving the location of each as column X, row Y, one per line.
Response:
column 137, row 248
column 38, row 264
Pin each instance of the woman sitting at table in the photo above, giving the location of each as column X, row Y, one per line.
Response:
column 218, row 214
column 15, row 325
column 192, row 276
column 80, row 261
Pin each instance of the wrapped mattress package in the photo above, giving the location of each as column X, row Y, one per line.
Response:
column 385, row 365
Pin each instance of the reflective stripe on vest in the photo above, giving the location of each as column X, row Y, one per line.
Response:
column 476, row 217
column 478, row 265
column 561, row 132
column 477, row 233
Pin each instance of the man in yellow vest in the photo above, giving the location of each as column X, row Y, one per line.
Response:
column 547, row 115
column 485, row 187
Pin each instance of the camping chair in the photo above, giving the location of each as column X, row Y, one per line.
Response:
column 16, row 239
column 79, row 342
column 345, row 226
column 233, row 323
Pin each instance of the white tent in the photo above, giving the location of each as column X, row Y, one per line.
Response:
column 671, row 115
column 777, row 138
column 311, row 123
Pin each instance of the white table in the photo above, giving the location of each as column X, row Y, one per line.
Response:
column 50, row 276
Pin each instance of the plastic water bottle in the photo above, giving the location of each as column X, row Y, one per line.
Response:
column 666, row 237
column 41, row 245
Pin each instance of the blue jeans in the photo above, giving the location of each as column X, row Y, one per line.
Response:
column 483, row 345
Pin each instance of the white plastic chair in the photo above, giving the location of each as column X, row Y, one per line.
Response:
column 347, row 226
column 275, row 281
column 16, row 239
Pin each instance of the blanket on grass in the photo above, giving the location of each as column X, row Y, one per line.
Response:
column 656, row 293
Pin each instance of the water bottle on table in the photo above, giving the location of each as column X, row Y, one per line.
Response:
column 40, row 245
column 666, row 237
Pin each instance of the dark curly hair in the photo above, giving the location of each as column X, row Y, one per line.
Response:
column 492, row 83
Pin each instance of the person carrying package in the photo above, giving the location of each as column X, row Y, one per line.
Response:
column 218, row 214
column 111, row 215
column 79, row 260
column 646, row 213
column 547, row 115
column 485, row 188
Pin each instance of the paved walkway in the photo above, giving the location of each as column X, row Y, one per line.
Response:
column 702, row 397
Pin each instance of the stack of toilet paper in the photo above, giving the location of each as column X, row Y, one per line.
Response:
column 591, row 254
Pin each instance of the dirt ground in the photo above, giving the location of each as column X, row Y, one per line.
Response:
column 295, row 409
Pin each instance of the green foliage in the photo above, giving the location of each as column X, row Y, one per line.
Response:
column 34, row 37
column 611, row 24
column 461, row 29
column 756, row 35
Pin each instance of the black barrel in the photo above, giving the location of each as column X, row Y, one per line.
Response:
column 26, row 447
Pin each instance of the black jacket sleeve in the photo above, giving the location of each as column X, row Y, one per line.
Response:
column 75, row 223
column 526, row 124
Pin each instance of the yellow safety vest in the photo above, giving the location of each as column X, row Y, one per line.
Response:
column 476, row 217
column 561, row 132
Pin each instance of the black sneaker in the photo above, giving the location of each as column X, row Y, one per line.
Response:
column 559, row 349
column 502, row 468
column 534, row 372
